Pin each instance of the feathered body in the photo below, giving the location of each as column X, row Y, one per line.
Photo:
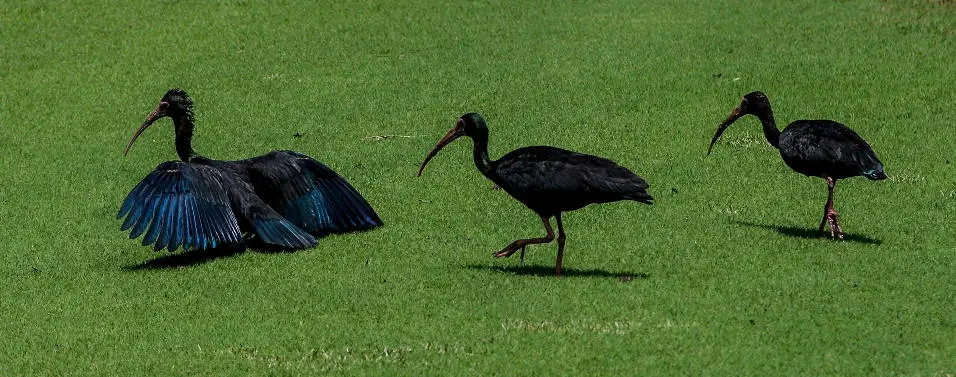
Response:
column 284, row 198
column 824, row 148
column 551, row 180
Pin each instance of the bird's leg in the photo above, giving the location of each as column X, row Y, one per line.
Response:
column 522, row 254
column 520, row 244
column 495, row 187
column 826, row 211
column 830, row 215
column 561, row 238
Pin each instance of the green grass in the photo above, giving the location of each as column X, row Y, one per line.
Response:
column 725, row 282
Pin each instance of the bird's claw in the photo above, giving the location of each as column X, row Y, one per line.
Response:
column 833, row 220
column 503, row 253
column 509, row 250
column 836, row 231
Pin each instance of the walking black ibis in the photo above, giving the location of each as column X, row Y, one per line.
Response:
column 546, row 179
column 284, row 198
column 815, row 148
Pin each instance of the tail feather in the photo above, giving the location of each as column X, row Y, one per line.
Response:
column 868, row 164
column 641, row 196
column 875, row 174
column 282, row 233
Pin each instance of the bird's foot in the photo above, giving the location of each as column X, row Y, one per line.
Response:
column 503, row 253
column 833, row 220
column 507, row 251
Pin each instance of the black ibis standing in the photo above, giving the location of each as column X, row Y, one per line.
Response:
column 284, row 198
column 815, row 148
column 546, row 179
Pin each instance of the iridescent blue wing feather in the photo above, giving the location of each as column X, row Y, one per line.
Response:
column 310, row 195
column 180, row 205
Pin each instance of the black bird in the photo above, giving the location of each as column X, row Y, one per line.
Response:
column 815, row 148
column 284, row 198
column 546, row 179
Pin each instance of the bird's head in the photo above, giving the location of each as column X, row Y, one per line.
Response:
column 179, row 103
column 755, row 103
column 471, row 125
column 176, row 103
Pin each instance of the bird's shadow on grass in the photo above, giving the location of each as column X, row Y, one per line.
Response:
column 187, row 259
column 197, row 257
column 808, row 233
column 548, row 271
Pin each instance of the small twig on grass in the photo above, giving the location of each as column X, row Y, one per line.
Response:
column 384, row 137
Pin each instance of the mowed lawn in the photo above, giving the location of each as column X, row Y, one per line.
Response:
column 723, row 275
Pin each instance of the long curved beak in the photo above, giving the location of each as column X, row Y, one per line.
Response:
column 157, row 113
column 454, row 133
column 736, row 114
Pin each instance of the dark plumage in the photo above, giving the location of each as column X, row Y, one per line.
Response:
column 546, row 179
column 551, row 180
column 816, row 148
column 284, row 198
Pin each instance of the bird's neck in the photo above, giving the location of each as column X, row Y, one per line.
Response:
column 184, row 137
column 481, row 156
column 770, row 130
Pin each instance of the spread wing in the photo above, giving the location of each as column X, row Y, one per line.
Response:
column 309, row 194
column 180, row 204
